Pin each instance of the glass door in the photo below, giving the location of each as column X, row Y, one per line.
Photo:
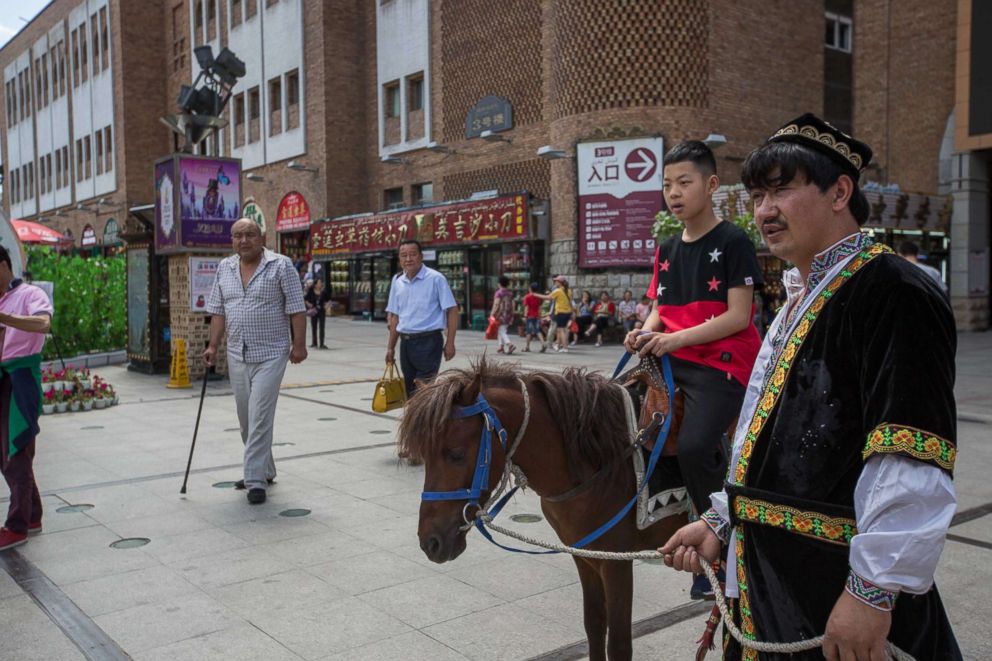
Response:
column 451, row 264
column 361, row 289
column 382, row 274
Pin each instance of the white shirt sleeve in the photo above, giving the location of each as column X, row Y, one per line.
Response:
column 903, row 509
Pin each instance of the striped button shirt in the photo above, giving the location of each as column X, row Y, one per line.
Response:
column 256, row 317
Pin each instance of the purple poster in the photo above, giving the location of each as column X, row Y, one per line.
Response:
column 209, row 200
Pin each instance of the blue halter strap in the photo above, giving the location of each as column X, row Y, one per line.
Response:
column 484, row 460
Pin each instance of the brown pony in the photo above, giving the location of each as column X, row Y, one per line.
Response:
column 577, row 431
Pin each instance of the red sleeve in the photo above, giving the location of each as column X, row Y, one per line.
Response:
column 652, row 292
column 612, row 309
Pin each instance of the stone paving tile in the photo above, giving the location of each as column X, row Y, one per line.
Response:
column 242, row 642
column 502, row 632
column 329, row 627
column 430, row 600
column 675, row 642
column 185, row 547
column 285, row 592
column 121, row 502
column 276, row 529
column 372, row 571
column 9, row 587
column 141, row 587
column 158, row 526
column 514, row 577
column 318, row 549
column 30, row 636
column 414, row 645
column 229, row 567
column 82, row 554
column 165, row 622
column 963, row 578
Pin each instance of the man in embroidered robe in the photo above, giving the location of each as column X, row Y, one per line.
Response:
column 839, row 491
column 25, row 317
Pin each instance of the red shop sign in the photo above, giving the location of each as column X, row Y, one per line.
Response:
column 498, row 219
column 293, row 213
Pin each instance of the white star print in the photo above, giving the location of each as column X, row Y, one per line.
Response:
column 715, row 255
column 661, row 290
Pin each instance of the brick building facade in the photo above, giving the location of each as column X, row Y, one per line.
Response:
column 380, row 92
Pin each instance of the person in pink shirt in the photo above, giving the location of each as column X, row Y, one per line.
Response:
column 25, row 318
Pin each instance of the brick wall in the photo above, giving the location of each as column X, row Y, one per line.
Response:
column 193, row 327
column 904, row 86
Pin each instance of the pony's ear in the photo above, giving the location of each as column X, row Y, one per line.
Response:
column 471, row 391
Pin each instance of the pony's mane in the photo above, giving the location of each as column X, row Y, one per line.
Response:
column 588, row 410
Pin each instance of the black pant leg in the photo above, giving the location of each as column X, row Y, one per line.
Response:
column 313, row 331
column 712, row 402
column 321, row 321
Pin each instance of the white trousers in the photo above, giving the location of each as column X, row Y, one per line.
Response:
column 504, row 338
column 256, row 391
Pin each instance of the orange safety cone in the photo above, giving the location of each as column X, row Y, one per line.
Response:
column 179, row 370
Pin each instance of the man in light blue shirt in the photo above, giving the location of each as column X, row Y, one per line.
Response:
column 420, row 306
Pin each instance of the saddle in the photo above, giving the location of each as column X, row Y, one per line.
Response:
column 666, row 494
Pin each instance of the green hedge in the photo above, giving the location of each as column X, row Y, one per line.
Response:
column 90, row 300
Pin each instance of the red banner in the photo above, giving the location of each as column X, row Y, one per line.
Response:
column 293, row 213
column 499, row 219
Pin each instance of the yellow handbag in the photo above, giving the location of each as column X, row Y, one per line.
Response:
column 390, row 392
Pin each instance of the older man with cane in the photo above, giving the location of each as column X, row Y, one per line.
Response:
column 256, row 299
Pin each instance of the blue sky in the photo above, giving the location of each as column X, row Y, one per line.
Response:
column 11, row 13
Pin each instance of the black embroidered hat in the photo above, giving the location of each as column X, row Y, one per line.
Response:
column 811, row 131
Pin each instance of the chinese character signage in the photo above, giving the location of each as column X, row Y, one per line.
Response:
column 492, row 113
column 197, row 200
column 88, row 239
column 498, row 219
column 202, row 273
column 253, row 211
column 619, row 196
column 293, row 214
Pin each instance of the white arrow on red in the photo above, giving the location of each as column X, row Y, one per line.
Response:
column 646, row 164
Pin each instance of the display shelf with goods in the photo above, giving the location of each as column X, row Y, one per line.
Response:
column 451, row 264
column 382, row 272
column 338, row 277
column 361, row 291
column 295, row 245
column 520, row 262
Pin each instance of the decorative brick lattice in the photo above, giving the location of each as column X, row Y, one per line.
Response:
column 533, row 176
column 623, row 53
column 487, row 50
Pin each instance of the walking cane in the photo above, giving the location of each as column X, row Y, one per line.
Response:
column 196, row 428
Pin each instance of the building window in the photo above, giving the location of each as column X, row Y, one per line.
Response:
column 235, row 13
column 58, row 169
column 105, row 41
column 38, row 96
column 89, row 156
column 392, row 198
column 178, row 40
column 61, row 69
column 84, row 63
column 198, row 23
column 422, row 193
column 42, row 179
column 95, row 31
column 251, row 8
column 415, row 93
column 99, row 152
column 838, row 32
column 108, row 146
column 44, row 80
column 75, row 58
column 275, row 106
column 30, row 190
column 292, row 100
column 15, row 187
column 238, row 120
column 269, row 3
column 253, row 115
column 391, row 100
column 211, row 20
column 48, row 175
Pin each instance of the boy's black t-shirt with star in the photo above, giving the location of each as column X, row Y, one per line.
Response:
column 691, row 284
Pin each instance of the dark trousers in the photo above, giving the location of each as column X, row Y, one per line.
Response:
column 599, row 326
column 420, row 358
column 712, row 402
column 18, row 471
column 317, row 322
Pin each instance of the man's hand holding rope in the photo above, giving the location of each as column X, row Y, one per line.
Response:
column 684, row 549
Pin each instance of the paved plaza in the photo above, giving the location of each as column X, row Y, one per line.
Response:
column 221, row 579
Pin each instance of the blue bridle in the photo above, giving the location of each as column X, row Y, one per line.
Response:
column 484, row 460
column 480, row 479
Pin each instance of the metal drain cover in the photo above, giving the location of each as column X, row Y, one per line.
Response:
column 129, row 543
column 69, row 509
column 525, row 518
column 223, row 485
column 366, row 399
column 326, row 391
column 294, row 512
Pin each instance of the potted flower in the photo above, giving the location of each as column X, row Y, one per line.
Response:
column 111, row 394
column 48, row 402
column 75, row 403
column 61, row 402
column 58, row 385
column 47, row 379
column 83, row 378
column 86, row 399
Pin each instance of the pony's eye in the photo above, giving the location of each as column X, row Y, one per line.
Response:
column 454, row 455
